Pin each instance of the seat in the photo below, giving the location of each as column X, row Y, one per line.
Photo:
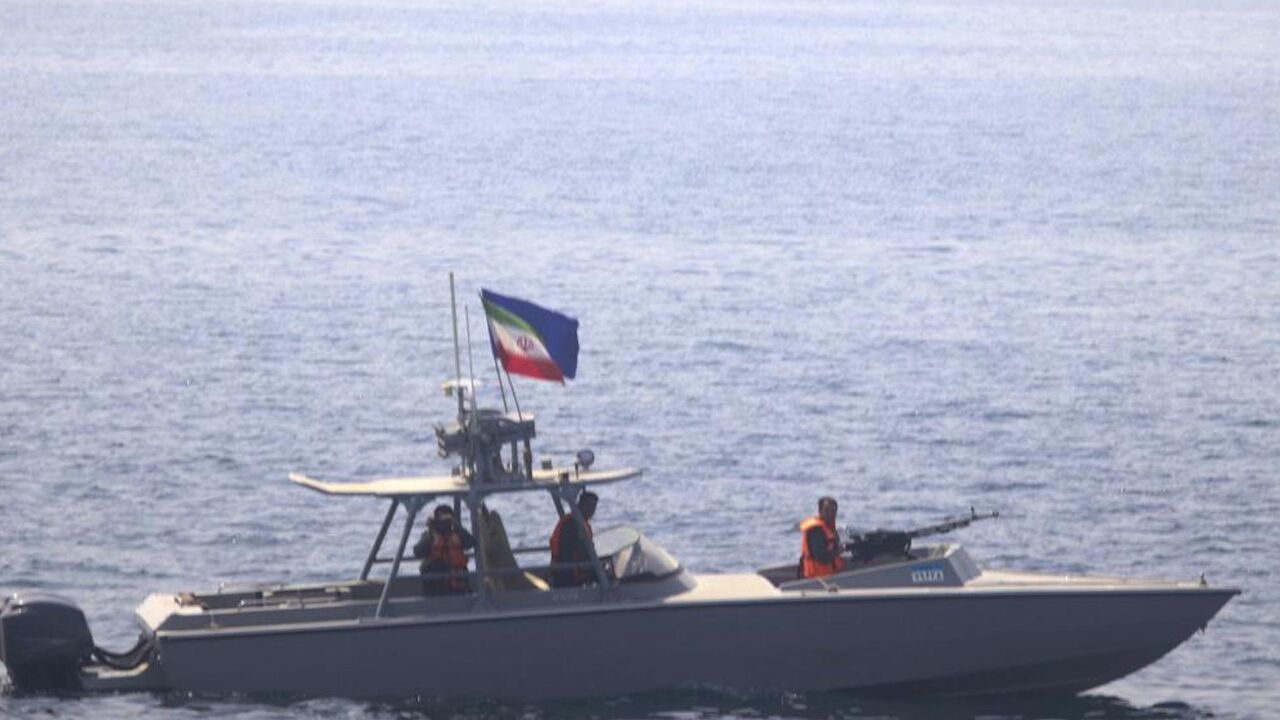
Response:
column 498, row 557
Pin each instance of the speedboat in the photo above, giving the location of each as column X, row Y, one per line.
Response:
column 897, row 619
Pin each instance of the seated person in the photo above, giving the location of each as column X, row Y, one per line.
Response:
column 443, row 549
column 569, row 546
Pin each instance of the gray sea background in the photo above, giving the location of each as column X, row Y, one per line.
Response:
column 923, row 255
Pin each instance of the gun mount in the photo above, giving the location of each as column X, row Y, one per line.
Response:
column 868, row 546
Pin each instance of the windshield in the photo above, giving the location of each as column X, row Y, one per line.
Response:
column 634, row 556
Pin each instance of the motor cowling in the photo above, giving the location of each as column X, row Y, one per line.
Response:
column 44, row 640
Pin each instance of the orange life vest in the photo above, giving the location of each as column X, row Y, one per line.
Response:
column 811, row 566
column 446, row 551
column 581, row 576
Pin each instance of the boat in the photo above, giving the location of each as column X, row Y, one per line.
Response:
column 898, row 619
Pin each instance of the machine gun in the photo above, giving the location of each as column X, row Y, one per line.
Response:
column 865, row 547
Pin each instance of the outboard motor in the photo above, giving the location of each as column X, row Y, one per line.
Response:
column 44, row 639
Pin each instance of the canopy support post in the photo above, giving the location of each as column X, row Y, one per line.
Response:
column 481, row 531
column 411, row 506
column 377, row 544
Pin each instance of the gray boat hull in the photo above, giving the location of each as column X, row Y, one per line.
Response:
column 941, row 642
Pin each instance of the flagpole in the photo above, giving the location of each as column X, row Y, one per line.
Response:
column 497, row 371
column 493, row 351
column 528, row 451
column 515, row 399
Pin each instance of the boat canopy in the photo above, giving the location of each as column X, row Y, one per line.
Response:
column 478, row 438
column 404, row 487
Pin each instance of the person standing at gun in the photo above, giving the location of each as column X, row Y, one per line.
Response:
column 820, row 553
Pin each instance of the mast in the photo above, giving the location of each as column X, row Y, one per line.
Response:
column 485, row 474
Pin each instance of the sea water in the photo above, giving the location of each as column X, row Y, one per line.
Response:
column 922, row 256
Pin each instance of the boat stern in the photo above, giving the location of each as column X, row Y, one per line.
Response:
column 44, row 639
column 46, row 646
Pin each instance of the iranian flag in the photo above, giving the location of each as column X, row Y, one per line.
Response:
column 531, row 340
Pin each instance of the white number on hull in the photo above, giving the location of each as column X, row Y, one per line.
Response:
column 927, row 575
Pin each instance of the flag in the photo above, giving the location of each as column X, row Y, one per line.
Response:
column 530, row 340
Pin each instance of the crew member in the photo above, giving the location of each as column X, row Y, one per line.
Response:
column 820, row 553
column 443, row 549
column 568, row 545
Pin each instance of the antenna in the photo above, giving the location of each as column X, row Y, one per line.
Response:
column 471, row 366
column 457, row 354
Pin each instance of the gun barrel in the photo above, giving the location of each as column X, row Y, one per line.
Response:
column 949, row 525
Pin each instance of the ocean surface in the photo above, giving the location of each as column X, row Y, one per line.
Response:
column 926, row 255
